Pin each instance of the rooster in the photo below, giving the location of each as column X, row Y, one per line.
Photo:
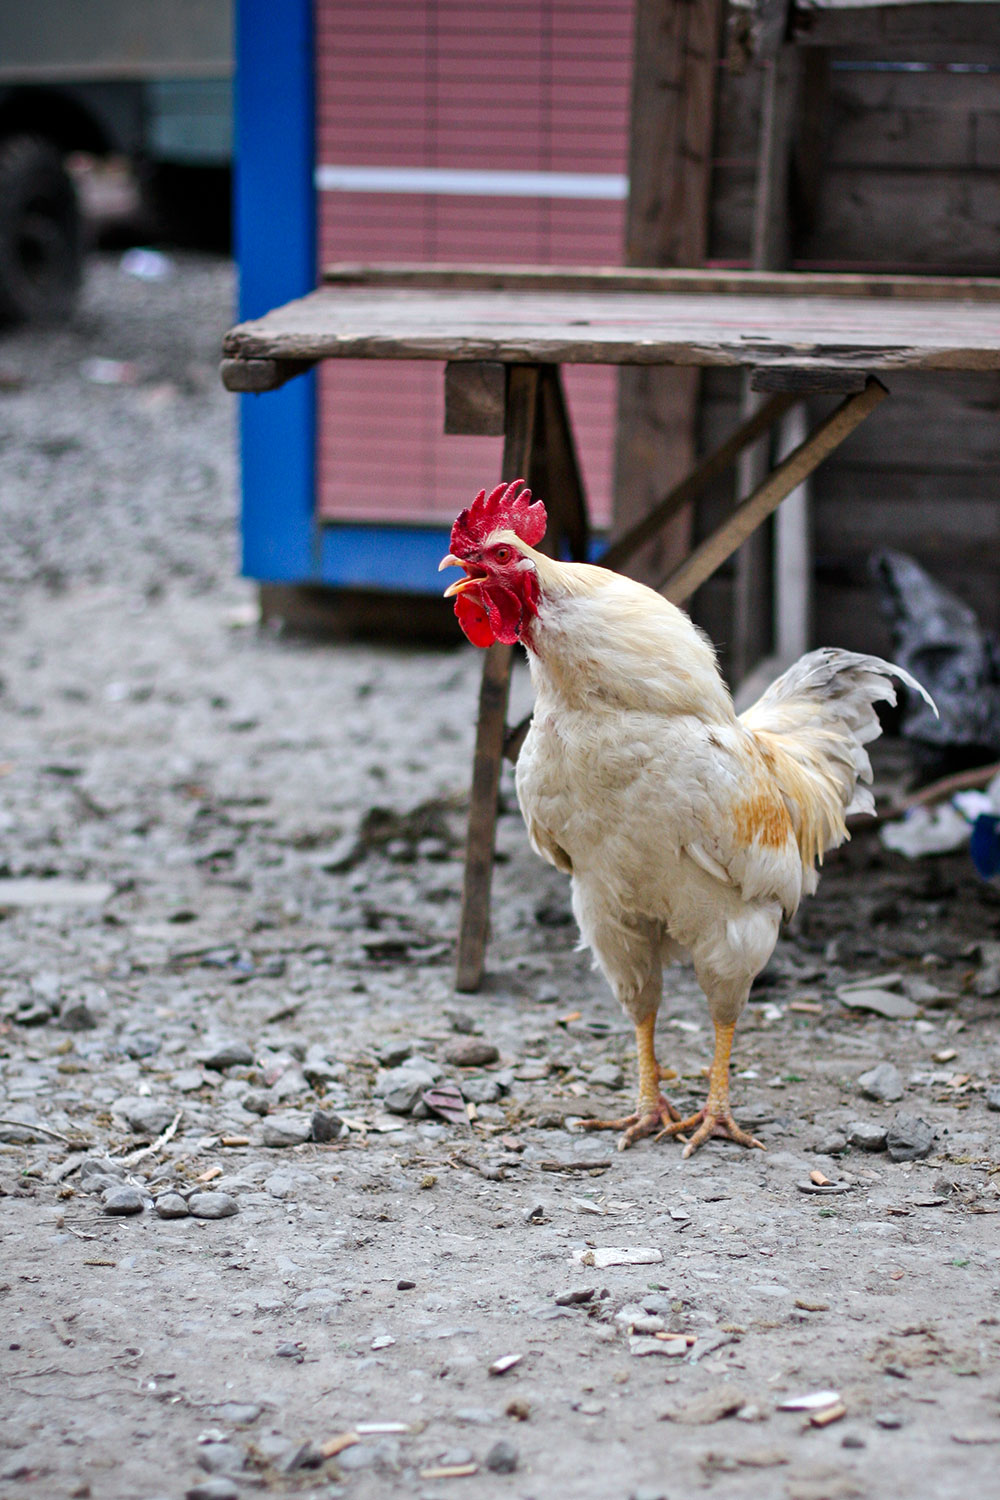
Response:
column 688, row 832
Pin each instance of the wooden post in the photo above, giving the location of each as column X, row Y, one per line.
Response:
column 752, row 600
column 519, row 437
column 676, row 54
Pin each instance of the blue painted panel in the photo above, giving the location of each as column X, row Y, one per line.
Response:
column 403, row 559
column 275, row 220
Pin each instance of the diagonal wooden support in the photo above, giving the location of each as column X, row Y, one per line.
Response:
column 519, row 438
column 699, row 479
column 745, row 519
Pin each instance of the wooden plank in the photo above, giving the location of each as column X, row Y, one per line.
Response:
column 910, row 27
column 522, row 408
column 253, row 376
column 714, row 551
column 625, row 328
column 807, row 382
column 678, row 281
column 475, row 398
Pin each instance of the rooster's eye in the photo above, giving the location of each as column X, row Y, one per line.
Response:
column 503, row 555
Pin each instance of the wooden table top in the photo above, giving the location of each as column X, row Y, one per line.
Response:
column 826, row 322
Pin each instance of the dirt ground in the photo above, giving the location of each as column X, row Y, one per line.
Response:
column 229, row 882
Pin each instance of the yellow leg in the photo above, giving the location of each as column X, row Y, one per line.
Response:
column 653, row 1111
column 716, row 1118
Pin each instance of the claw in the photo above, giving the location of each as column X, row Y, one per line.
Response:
column 707, row 1123
column 638, row 1125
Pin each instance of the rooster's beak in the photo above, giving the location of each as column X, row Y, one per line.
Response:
column 460, row 584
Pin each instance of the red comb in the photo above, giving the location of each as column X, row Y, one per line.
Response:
column 501, row 508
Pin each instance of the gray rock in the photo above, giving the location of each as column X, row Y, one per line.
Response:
column 606, row 1075
column 171, row 1206
column 394, row 1054
column 213, row 1205
column 866, row 1135
column 228, row 1055
column 140, row 1044
column 123, row 1199
column 101, row 1166
column 471, row 1052
column 993, row 1096
column 220, row 1458
column 239, row 1413
column 909, row 1138
column 987, row 982
column 216, row 1488
column 481, row 1090
column 76, row 1015
column 882, row 1002
column 256, row 1102
column 286, row 1130
column 832, row 1144
column 32, row 1013
column 189, row 1080
column 326, row 1126
column 403, row 1099
column 144, row 1116
column 884, row 1082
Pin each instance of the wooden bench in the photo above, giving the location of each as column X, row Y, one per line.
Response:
column 502, row 333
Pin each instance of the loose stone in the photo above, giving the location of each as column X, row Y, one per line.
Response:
column 866, row 1135
column 909, row 1138
column 502, row 1457
column 123, row 1200
column 884, row 1082
column 228, row 1055
column 471, row 1052
column 212, row 1205
column 171, row 1206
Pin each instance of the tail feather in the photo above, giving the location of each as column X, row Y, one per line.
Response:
column 813, row 724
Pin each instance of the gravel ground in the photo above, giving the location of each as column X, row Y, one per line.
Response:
column 242, row 1251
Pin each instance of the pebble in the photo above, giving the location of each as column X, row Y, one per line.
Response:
column 286, row 1130
column 832, row 1145
column 188, row 1080
column 144, row 1116
column 228, row 1055
column 888, row 1419
column 502, row 1457
column 76, row 1015
column 238, row 1413
column 884, row 1082
column 360, row 1456
column 576, row 1295
column 256, row 1102
column 171, row 1206
column 882, row 1002
column 993, row 1096
column 123, row 1199
column 866, row 1135
column 326, row 1126
column 471, row 1052
column 220, row 1458
column 606, row 1075
column 213, row 1205
column 215, row 1488
column 909, row 1138
column 395, row 1054
column 481, row 1090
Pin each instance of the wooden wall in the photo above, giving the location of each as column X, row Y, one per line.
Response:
column 898, row 169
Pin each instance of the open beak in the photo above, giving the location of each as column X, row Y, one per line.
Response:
column 461, row 584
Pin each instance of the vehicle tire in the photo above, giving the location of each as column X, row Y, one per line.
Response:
column 41, row 241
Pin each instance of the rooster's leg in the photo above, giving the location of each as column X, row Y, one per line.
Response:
column 653, row 1111
column 716, row 1118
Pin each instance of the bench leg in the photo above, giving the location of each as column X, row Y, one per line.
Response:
column 519, row 437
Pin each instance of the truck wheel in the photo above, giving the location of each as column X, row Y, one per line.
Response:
column 40, row 232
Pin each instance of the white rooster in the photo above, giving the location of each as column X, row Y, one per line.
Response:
column 688, row 832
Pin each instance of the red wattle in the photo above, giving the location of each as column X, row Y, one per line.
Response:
column 474, row 621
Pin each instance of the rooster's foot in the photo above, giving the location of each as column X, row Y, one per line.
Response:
column 707, row 1123
column 635, row 1127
